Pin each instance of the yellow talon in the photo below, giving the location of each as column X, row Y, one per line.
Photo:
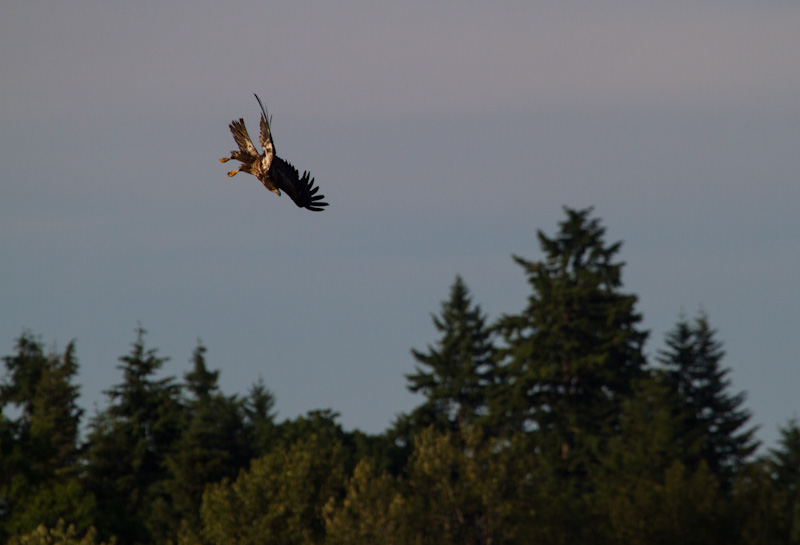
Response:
column 232, row 173
column 224, row 159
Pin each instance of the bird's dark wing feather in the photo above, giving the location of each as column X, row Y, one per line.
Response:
column 301, row 190
column 242, row 139
column 265, row 137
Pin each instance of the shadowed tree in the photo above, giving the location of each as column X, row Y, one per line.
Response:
column 454, row 375
column 279, row 499
column 784, row 465
column 60, row 533
column 128, row 447
column 213, row 443
column 692, row 363
column 571, row 356
column 259, row 412
column 39, row 449
column 653, row 435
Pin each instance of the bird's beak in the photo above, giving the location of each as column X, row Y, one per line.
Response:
column 276, row 191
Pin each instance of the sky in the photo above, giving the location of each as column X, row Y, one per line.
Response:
column 444, row 135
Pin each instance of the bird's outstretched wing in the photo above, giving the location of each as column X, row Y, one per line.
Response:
column 242, row 139
column 265, row 136
column 301, row 190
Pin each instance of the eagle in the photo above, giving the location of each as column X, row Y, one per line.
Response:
column 275, row 173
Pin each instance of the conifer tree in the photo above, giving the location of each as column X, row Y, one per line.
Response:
column 692, row 363
column 571, row 356
column 259, row 417
column 39, row 448
column 456, row 373
column 128, row 447
column 200, row 382
column 784, row 465
column 212, row 443
column 653, row 435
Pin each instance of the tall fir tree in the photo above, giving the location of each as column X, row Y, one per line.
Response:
column 128, row 446
column 692, row 362
column 212, row 443
column 783, row 463
column 571, row 356
column 455, row 374
column 39, row 448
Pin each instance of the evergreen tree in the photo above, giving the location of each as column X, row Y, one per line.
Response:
column 571, row 356
column 200, row 382
column 212, row 445
column 260, row 416
column 456, row 373
column 784, row 465
column 692, row 363
column 128, row 448
column 39, row 449
column 319, row 423
column 653, row 435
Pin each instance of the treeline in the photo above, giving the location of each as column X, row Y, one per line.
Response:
column 549, row 426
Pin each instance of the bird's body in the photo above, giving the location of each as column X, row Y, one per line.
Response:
column 275, row 173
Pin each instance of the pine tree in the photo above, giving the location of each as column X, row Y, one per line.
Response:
column 692, row 363
column 39, row 449
column 455, row 374
column 212, row 444
column 128, row 447
column 571, row 356
column 784, row 465
column 200, row 382
column 260, row 416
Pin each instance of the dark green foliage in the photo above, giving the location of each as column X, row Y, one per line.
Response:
column 571, row 356
column 40, row 387
column 653, row 435
column 456, row 373
column 213, row 443
column 128, row 448
column 39, row 449
column 692, row 363
column 783, row 464
column 259, row 418
column 545, row 427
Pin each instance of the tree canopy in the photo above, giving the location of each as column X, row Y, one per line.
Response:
column 549, row 424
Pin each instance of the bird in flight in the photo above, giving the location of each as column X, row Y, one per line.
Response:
column 276, row 174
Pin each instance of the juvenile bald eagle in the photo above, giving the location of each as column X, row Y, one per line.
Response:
column 276, row 174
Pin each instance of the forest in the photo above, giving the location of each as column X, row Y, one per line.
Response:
column 547, row 426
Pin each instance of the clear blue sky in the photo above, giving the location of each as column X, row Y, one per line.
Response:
column 443, row 136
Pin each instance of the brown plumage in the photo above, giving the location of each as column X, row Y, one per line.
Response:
column 276, row 174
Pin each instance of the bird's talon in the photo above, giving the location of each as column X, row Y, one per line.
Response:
column 232, row 173
column 224, row 159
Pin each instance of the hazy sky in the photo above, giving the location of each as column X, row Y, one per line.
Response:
column 443, row 136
